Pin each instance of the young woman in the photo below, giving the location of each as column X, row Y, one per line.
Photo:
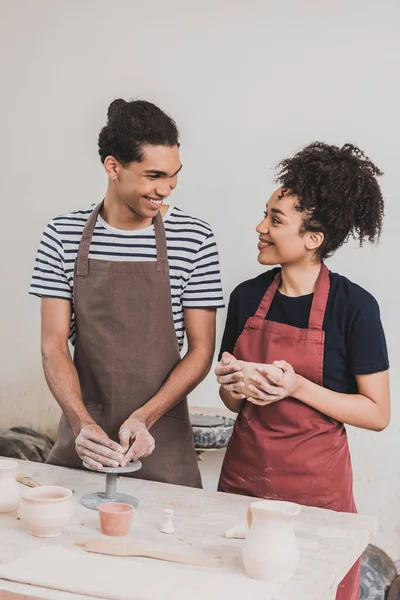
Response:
column 322, row 330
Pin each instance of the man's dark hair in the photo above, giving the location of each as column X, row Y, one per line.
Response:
column 132, row 125
column 337, row 191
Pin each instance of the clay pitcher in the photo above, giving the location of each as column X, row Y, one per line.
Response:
column 271, row 551
column 9, row 488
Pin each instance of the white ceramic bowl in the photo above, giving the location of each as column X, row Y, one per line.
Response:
column 45, row 510
column 9, row 488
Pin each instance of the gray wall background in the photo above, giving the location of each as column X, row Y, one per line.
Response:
column 248, row 82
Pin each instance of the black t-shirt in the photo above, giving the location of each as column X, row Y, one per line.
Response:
column 354, row 339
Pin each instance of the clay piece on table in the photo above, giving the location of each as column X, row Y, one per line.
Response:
column 250, row 370
column 238, row 532
column 168, row 525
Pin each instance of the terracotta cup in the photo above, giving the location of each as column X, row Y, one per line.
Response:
column 115, row 518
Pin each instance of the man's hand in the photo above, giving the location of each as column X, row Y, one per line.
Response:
column 143, row 443
column 96, row 449
column 269, row 389
column 230, row 375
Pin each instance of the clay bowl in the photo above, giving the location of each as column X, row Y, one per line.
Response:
column 45, row 510
column 250, row 369
column 115, row 518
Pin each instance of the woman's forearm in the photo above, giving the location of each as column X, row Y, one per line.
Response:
column 230, row 401
column 353, row 409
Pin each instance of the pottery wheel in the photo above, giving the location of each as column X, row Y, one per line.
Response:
column 93, row 501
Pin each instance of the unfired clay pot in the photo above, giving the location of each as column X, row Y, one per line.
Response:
column 271, row 551
column 9, row 488
column 250, row 369
column 115, row 518
column 45, row 510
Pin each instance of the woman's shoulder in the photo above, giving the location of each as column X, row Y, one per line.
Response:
column 255, row 285
column 355, row 296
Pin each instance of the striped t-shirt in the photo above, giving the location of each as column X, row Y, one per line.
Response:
column 192, row 257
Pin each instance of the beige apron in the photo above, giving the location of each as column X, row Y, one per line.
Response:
column 125, row 348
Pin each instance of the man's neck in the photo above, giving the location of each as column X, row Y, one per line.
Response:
column 121, row 216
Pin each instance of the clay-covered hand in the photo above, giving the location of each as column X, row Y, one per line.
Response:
column 143, row 442
column 96, row 449
column 230, row 375
column 269, row 389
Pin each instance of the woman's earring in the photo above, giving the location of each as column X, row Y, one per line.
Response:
column 114, row 179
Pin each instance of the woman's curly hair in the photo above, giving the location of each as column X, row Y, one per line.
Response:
column 132, row 125
column 337, row 191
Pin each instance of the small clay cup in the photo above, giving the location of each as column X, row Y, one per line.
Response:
column 115, row 518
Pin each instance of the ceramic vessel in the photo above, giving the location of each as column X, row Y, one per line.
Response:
column 115, row 518
column 250, row 370
column 9, row 488
column 45, row 510
column 271, row 551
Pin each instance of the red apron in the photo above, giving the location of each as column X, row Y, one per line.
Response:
column 287, row 450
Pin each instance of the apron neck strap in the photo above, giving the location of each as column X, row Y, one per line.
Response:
column 82, row 261
column 319, row 302
column 84, row 246
column 161, row 242
column 320, row 299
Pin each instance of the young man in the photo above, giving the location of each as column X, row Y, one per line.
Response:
column 124, row 280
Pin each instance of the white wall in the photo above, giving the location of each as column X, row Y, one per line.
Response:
column 248, row 82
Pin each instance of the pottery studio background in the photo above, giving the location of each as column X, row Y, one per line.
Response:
column 248, row 85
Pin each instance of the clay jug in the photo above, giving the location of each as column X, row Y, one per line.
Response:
column 9, row 488
column 271, row 551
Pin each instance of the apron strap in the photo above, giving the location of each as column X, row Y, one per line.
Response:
column 320, row 299
column 82, row 260
column 318, row 306
column 161, row 243
column 266, row 302
column 83, row 252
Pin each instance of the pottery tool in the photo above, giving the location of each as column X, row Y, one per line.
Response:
column 28, row 481
column 113, row 548
column 93, row 501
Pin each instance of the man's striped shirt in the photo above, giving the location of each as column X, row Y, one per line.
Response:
column 192, row 256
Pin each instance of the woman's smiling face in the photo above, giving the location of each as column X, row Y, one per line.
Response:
column 281, row 239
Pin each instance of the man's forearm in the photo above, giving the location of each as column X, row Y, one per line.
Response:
column 62, row 379
column 185, row 376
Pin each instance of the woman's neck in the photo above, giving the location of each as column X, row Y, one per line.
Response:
column 299, row 280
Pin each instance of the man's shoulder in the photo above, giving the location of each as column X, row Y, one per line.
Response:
column 180, row 218
column 76, row 218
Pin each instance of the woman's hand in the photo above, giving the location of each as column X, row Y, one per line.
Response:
column 230, row 376
column 269, row 389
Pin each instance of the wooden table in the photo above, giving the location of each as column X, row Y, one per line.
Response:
column 329, row 543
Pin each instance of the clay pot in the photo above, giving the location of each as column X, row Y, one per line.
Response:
column 46, row 510
column 250, row 370
column 9, row 489
column 115, row 518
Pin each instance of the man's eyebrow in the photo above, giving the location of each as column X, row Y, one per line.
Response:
column 161, row 173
